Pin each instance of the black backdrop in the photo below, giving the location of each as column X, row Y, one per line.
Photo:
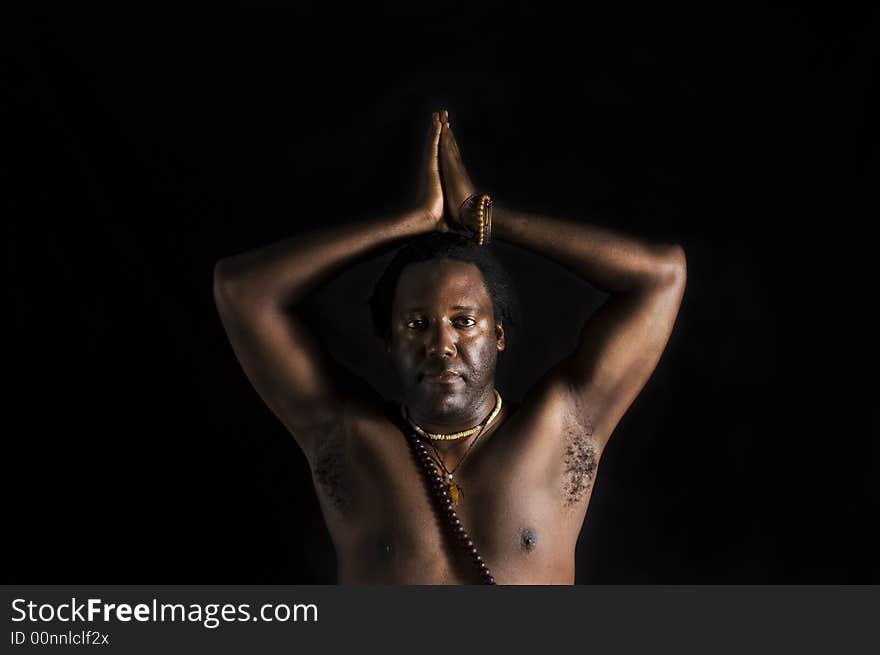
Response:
column 149, row 144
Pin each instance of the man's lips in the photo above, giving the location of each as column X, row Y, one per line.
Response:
column 440, row 376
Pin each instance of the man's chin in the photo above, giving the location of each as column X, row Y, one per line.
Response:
column 440, row 403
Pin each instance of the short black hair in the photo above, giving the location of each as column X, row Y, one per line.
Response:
column 445, row 245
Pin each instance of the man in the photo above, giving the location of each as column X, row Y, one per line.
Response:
column 455, row 485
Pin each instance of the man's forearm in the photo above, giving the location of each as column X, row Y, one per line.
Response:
column 284, row 272
column 606, row 259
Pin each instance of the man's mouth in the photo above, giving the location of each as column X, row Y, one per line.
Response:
column 440, row 376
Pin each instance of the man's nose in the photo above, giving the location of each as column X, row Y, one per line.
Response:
column 441, row 341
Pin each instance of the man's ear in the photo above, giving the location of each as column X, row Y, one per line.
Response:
column 499, row 335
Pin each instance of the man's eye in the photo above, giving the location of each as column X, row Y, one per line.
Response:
column 415, row 324
column 465, row 322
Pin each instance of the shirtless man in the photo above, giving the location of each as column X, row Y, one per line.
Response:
column 525, row 475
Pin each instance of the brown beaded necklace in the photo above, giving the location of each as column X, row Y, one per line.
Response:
column 444, row 501
column 452, row 487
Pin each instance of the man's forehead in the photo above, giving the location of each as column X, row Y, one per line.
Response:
column 460, row 284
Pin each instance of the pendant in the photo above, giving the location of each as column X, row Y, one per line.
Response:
column 454, row 492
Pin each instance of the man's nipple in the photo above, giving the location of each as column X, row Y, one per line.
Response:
column 528, row 540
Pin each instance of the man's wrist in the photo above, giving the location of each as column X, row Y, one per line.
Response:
column 465, row 210
column 475, row 215
column 415, row 222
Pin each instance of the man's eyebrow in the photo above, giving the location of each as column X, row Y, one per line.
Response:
column 466, row 308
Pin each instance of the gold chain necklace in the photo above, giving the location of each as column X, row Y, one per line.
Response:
column 454, row 489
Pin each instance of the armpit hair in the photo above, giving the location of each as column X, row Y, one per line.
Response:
column 581, row 458
column 330, row 471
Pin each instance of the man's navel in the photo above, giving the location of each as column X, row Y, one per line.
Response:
column 385, row 550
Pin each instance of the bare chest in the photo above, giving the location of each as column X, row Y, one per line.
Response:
column 391, row 528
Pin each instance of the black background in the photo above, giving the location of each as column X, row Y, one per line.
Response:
column 146, row 145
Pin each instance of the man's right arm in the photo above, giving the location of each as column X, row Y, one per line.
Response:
column 257, row 294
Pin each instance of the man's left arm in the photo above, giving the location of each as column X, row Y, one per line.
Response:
column 620, row 345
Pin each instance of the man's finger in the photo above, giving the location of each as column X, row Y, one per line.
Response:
column 433, row 141
column 444, row 121
column 450, row 145
column 438, row 128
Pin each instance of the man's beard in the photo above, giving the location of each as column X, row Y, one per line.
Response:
column 440, row 405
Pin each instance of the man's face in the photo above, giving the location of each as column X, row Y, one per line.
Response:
column 444, row 339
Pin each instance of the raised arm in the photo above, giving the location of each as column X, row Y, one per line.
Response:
column 620, row 345
column 257, row 294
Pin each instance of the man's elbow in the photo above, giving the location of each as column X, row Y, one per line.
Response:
column 673, row 266
column 221, row 279
column 237, row 290
column 227, row 286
